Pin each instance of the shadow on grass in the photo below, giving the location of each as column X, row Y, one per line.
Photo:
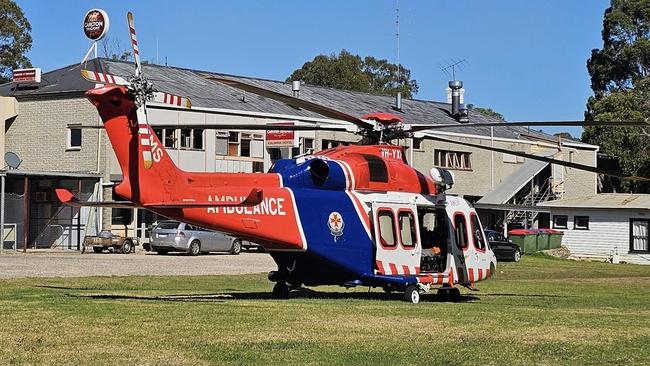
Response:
column 302, row 293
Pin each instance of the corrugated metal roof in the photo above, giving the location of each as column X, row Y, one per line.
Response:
column 604, row 200
column 210, row 94
column 508, row 188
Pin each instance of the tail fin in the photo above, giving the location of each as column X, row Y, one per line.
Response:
column 119, row 114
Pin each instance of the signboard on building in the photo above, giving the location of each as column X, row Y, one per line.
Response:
column 280, row 138
column 27, row 75
column 96, row 24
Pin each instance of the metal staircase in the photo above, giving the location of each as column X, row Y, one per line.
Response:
column 531, row 196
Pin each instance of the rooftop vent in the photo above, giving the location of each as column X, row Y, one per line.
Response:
column 455, row 95
column 295, row 87
column 398, row 101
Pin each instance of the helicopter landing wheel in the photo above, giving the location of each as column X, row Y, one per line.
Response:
column 280, row 291
column 412, row 294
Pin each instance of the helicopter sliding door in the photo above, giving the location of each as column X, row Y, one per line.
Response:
column 397, row 239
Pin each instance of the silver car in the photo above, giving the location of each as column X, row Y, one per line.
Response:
column 173, row 236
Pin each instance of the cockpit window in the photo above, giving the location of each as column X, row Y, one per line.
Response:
column 377, row 168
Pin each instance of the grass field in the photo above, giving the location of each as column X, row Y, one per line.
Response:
column 540, row 311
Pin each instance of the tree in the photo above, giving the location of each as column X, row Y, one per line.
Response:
column 631, row 145
column 564, row 135
column 487, row 112
column 625, row 56
column 15, row 39
column 619, row 78
column 351, row 72
column 113, row 49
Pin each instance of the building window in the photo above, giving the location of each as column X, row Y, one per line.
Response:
column 329, row 144
column 417, row 144
column 581, row 222
column 191, row 139
column 452, row 159
column 169, row 138
column 640, row 235
column 560, row 222
column 74, row 138
column 244, row 144
column 233, row 144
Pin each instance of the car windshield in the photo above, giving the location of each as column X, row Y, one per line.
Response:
column 166, row 225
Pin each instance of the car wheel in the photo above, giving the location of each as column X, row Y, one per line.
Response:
column 195, row 248
column 280, row 291
column 236, row 247
column 98, row 249
column 162, row 251
column 127, row 246
column 517, row 256
column 412, row 294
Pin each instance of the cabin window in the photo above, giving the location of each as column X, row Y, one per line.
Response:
column 387, row 228
column 560, row 221
column 452, row 159
column 460, row 227
column 377, row 168
column 477, row 233
column 581, row 222
column 640, row 236
column 74, row 138
column 407, row 228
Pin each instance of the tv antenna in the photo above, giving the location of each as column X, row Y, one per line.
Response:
column 450, row 67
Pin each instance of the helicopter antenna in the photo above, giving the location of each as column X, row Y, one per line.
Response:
column 450, row 67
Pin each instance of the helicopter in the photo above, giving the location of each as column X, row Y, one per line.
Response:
column 354, row 215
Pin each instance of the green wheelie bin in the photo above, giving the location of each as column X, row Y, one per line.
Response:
column 526, row 239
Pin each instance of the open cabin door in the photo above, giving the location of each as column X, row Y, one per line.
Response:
column 397, row 238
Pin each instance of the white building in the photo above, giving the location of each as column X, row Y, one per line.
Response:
column 600, row 225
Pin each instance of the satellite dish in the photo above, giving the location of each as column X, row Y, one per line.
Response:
column 12, row 160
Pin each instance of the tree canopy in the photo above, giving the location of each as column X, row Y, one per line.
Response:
column 621, row 85
column 487, row 112
column 351, row 72
column 15, row 39
column 625, row 56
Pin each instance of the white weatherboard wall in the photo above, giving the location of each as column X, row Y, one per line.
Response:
column 609, row 230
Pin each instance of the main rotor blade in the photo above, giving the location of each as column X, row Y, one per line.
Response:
column 536, row 157
column 103, row 78
column 239, row 127
column 423, row 127
column 292, row 101
column 134, row 44
column 171, row 99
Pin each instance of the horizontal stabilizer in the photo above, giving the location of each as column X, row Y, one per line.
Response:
column 66, row 197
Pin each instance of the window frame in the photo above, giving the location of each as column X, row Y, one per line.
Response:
column 462, row 215
column 396, row 242
column 575, row 222
column 69, row 146
column 556, row 226
column 415, row 236
column 632, row 250
column 472, row 216
column 451, row 159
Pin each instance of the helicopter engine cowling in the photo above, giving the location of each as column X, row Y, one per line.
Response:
column 311, row 173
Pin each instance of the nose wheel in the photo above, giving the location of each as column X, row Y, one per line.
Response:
column 412, row 294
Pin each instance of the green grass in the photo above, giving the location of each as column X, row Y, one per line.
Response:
column 541, row 311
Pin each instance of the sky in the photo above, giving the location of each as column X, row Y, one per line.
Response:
column 524, row 59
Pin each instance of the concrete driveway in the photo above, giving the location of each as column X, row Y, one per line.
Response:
column 75, row 264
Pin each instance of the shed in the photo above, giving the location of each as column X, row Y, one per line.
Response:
column 599, row 225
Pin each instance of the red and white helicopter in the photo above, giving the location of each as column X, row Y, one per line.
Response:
column 352, row 216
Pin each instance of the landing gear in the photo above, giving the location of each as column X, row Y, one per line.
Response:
column 280, row 290
column 412, row 294
column 449, row 293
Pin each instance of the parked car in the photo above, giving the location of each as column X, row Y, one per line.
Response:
column 173, row 236
column 503, row 249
